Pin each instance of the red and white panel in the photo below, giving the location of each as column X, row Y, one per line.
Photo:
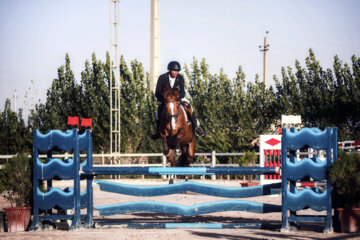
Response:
column 270, row 156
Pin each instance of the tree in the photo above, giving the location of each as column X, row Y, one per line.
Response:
column 63, row 100
column 14, row 135
column 95, row 104
column 203, row 89
column 137, row 109
column 233, row 112
column 347, row 98
column 221, row 106
column 241, row 122
column 322, row 97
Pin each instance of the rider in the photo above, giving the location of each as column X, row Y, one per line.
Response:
column 175, row 81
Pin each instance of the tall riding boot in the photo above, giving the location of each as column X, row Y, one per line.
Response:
column 198, row 130
column 156, row 135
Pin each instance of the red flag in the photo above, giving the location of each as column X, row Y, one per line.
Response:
column 73, row 121
column 86, row 122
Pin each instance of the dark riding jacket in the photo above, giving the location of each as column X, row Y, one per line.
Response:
column 165, row 80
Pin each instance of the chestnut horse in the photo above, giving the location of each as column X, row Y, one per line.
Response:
column 176, row 130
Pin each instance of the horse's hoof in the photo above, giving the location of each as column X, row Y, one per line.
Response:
column 171, row 181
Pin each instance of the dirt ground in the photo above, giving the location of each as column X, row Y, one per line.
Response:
column 271, row 222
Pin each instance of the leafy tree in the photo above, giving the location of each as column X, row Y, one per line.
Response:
column 203, row 89
column 221, row 106
column 14, row 135
column 95, row 102
column 242, row 123
column 137, row 109
column 233, row 112
column 259, row 104
column 322, row 97
column 347, row 98
column 63, row 100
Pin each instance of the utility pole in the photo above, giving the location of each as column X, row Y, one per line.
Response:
column 264, row 49
column 115, row 85
column 154, row 43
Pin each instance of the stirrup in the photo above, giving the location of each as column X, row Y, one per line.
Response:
column 199, row 132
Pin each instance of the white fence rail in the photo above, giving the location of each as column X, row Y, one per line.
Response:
column 115, row 159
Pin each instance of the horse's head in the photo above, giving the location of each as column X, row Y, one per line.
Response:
column 172, row 106
column 171, row 94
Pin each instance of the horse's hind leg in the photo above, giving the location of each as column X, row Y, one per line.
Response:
column 182, row 158
column 190, row 153
column 186, row 159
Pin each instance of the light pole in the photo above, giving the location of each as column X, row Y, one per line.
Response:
column 154, row 43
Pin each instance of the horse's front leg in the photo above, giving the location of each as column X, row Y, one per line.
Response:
column 166, row 148
column 171, row 158
column 169, row 153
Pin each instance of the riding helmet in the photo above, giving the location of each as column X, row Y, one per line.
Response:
column 174, row 65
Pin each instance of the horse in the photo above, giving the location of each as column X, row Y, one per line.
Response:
column 176, row 130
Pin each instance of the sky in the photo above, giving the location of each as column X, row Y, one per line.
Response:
column 36, row 35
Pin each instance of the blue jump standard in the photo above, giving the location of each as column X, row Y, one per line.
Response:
column 178, row 170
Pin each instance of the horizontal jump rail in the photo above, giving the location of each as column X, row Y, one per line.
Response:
column 194, row 210
column 161, row 190
column 179, row 171
column 181, row 225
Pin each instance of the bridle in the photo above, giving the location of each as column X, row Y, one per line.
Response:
column 173, row 116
